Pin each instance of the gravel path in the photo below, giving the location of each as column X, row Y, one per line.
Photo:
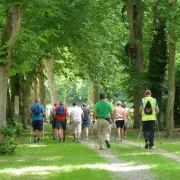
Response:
column 123, row 170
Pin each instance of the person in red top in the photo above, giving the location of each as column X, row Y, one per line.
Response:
column 61, row 121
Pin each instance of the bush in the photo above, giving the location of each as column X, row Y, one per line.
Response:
column 8, row 146
column 9, row 132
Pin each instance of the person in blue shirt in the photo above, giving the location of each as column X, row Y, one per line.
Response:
column 37, row 113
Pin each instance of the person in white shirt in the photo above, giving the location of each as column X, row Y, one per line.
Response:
column 76, row 119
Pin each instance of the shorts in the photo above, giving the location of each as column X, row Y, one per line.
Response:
column 76, row 126
column 85, row 123
column 120, row 123
column 53, row 122
column 37, row 125
column 61, row 124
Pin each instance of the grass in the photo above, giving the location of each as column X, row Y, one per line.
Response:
column 163, row 168
column 53, row 160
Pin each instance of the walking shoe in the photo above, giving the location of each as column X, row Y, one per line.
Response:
column 86, row 139
column 120, row 140
column 35, row 141
column 151, row 147
column 147, row 145
column 107, row 144
column 38, row 140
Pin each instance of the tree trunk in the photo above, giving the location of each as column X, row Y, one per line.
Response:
column 14, row 89
column 135, row 17
column 171, row 74
column 9, row 114
column 51, row 81
column 158, row 56
column 11, row 30
column 25, row 91
column 42, row 92
column 94, row 94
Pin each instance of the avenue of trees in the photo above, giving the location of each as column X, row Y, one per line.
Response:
column 73, row 49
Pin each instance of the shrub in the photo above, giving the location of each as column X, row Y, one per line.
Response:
column 9, row 133
column 8, row 146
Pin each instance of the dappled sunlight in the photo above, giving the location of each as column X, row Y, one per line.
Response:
column 52, row 158
column 45, row 170
column 140, row 153
column 32, row 145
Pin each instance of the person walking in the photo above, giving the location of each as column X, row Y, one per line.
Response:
column 37, row 113
column 52, row 119
column 127, row 117
column 76, row 115
column 61, row 113
column 148, row 110
column 85, row 122
column 103, row 111
column 120, row 118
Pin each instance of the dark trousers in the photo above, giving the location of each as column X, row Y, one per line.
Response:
column 148, row 131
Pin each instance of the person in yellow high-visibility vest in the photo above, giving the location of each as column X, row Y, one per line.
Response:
column 148, row 110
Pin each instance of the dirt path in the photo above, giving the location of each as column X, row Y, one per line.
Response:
column 123, row 170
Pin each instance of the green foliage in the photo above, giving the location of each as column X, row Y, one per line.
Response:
column 8, row 146
column 10, row 131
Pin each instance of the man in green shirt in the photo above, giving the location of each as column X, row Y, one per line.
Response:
column 103, row 111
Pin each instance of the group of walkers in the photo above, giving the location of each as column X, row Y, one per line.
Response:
column 104, row 117
column 79, row 119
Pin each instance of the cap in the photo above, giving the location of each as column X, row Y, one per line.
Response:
column 147, row 92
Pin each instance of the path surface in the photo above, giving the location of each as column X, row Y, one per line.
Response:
column 123, row 170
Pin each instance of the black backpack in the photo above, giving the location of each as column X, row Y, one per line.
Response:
column 61, row 110
column 148, row 108
column 37, row 110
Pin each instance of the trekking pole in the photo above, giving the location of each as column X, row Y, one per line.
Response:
column 115, row 135
column 138, row 140
column 158, row 132
column 43, row 129
column 30, row 138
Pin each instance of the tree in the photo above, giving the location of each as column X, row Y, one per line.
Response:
column 135, row 12
column 9, row 38
column 171, row 69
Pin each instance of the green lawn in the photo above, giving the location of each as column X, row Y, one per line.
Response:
column 53, row 160
column 164, row 168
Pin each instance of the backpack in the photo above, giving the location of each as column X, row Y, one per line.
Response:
column 37, row 110
column 148, row 108
column 61, row 110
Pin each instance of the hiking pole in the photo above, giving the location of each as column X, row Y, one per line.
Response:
column 30, row 138
column 43, row 129
column 158, row 132
column 138, row 140
column 115, row 135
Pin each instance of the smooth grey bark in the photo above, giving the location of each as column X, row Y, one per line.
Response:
column 9, row 35
column 171, row 75
column 51, row 81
